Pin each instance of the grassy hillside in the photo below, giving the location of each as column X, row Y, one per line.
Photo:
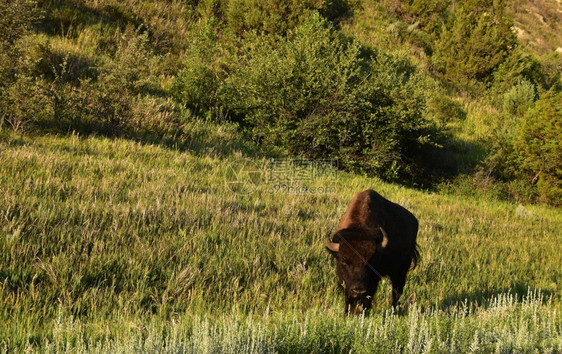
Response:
column 117, row 245
column 137, row 204
column 539, row 25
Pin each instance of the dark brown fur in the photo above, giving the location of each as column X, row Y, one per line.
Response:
column 361, row 258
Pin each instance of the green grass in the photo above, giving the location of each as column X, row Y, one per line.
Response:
column 507, row 323
column 112, row 245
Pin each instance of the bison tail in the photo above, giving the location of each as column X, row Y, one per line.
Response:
column 417, row 256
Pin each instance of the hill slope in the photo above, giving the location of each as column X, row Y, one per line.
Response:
column 102, row 236
column 423, row 92
column 539, row 25
column 140, row 213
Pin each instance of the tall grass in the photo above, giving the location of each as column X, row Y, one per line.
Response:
column 507, row 323
column 112, row 245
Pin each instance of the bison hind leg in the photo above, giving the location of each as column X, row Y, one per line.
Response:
column 398, row 282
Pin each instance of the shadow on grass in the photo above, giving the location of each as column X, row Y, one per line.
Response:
column 196, row 143
column 441, row 165
column 63, row 15
column 467, row 301
column 483, row 298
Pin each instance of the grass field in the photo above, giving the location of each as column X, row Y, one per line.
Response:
column 115, row 246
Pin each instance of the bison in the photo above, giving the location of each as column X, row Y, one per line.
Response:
column 375, row 238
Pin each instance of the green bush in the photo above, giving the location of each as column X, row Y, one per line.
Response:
column 91, row 80
column 517, row 67
column 429, row 13
column 23, row 96
column 538, row 149
column 268, row 17
column 551, row 69
column 277, row 17
column 313, row 93
column 525, row 152
column 16, row 19
column 25, row 102
column 316, row 95
column 476, row 40
column 520, row 98
column 105, row 104
column 61, row 91
column 443, row 109
column 204, row 69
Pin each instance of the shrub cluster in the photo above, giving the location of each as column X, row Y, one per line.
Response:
column 269, row 17
column 475, row 41
column 519, row 98
column 443, row 109
column 316, row 94
column 103, row 83
column 525, row 152
column 472, row 47
column 286, row 74
column 537, row 147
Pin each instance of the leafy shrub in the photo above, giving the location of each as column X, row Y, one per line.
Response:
column 269, row 17
column 430, row 14
column 517, row 67
column 204, row 69
column 443, row 109
column 335, row 10
column 313, row 93
column 62, row 91
column 277, row 17
column 551, row 69
column 538, row 147
column 25, row 102
column 520, row 98
column 525, row 152
column 16, row 19
column 104, row 104
column 398, row 29
column 316, row 95
column 131, row 67
column 22, row 96
column 476, row 40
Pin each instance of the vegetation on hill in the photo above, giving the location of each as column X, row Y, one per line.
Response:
column 411, row 91
column 121, row 120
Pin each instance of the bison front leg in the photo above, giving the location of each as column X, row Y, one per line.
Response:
column 398, row 283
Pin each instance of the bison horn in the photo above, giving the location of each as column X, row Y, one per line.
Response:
column 332, row 246
column 384, row 238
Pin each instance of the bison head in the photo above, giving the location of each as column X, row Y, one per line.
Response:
column 355, row 251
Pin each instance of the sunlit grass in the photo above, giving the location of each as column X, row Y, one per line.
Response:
column 506, row 323
column 112, row 245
